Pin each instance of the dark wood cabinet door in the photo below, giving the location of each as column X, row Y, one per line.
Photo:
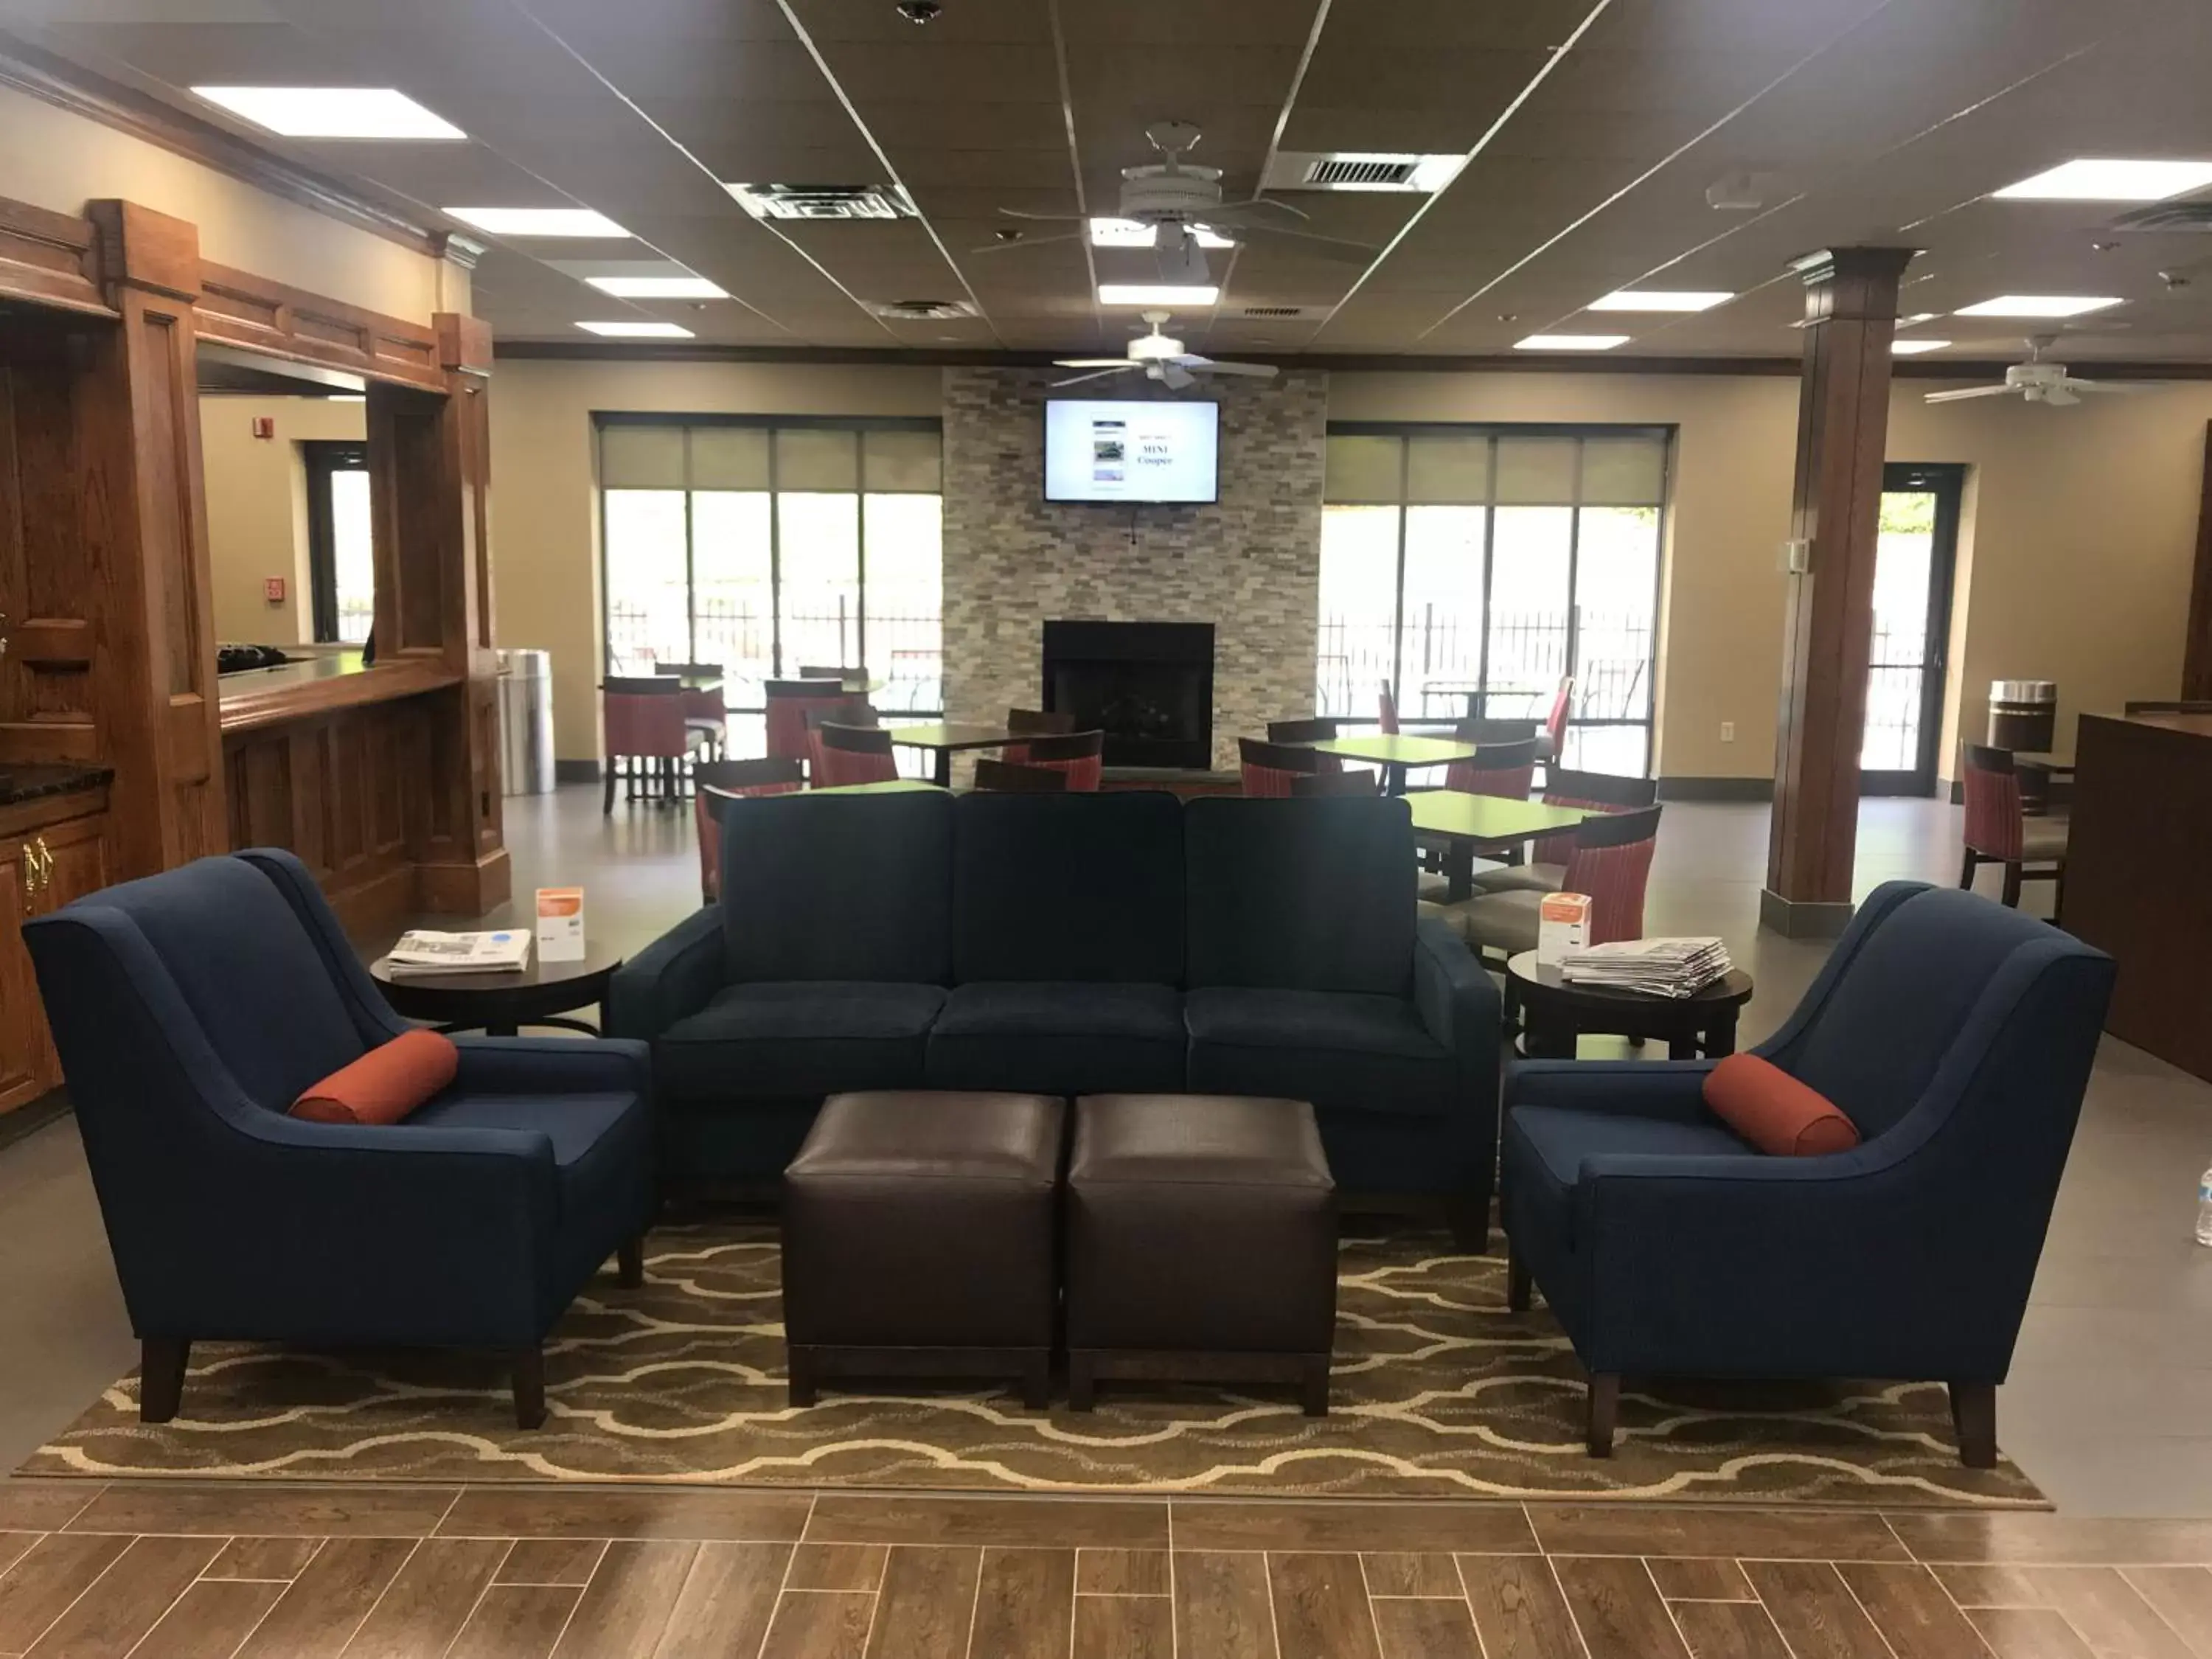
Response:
column 25, row 1051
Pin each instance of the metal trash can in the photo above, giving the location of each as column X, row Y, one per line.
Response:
column 526, row 721
column 2024, row 715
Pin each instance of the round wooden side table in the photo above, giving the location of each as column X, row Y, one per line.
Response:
column 1554, row 1013
column 500, row 1005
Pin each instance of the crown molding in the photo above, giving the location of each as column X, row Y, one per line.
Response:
column 32, row 69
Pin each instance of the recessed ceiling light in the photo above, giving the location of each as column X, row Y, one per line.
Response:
column 1570, row 343
column 539, row 222
column 333, row 111
column 1134, row 233
column 1185, row 295
column 639, row 330
column 2110, row 181
column 659, row 288
column 1659, row 299
column 2038, row 305
column 1915, row 347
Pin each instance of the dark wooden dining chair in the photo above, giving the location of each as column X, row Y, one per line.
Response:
column 1008, row 778
column 1268, row 770
column 1313, row 730
column 643, row 715
column 853, row 679
column 1362, row 782
column 1999, row 830
column 1546, row 871
column 720, row 783
column 856, row 710
column 1503, row 769
column 1610, row 862
column 788, row 703
column 852, row 754
column 1488, row 729
column 1081, row 754
column 705, row 712
column 1036, row 722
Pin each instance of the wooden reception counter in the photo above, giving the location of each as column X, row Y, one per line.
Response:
column 2139, row 879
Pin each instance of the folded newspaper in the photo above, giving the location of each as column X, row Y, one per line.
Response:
column 423, row 950
column 1655, row 967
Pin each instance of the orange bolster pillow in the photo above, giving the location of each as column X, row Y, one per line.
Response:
column 1774, row 1111
column 386, row 1083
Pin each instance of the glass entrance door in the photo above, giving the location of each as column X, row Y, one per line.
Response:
column 1915, row 554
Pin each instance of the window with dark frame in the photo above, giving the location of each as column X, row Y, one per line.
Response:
column 341, row 566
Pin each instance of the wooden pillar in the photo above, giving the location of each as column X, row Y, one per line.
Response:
column 2197, row 648
column 429, row 464
column 153, row 668
column 1843, row 426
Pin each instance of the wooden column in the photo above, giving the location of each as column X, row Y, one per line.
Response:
column 2197, row 648
column 429, row 467
column 1843, row 426
column 153, row 662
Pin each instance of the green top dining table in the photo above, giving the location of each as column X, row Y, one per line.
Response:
column 884, row 786
column 1395, row 751
column 943, row 738
column 1469, row 823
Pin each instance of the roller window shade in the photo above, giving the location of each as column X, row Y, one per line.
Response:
column 1447, row 470
column 1624, row 472
column 729, row 458
column 1535, row 472
column 1363, row 469
column 641, row 457
column 908, row 463
column 808, row 460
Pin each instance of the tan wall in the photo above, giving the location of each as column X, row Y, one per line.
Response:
column 256, row 507
column 545, row 570
column 59, row 160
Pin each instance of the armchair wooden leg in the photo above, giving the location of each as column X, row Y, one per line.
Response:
column 1082, row 1383
column 1313, row 1387
column 630, row 1263
column 161, row 1376
column 530, row 1386
column 799, row 1372
column 1517, row 1282
column 1604, row 1413
column 1470, row 1223
column 1974, row 1415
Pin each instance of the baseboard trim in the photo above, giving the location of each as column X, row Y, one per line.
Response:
column 33, row 1116
column 1803, row 918
column 1691, row 788
column 575, row 771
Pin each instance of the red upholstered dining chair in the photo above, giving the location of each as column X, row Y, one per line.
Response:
column 1551, row 742
column 997, row 777
column 788, row 703
column 1269, row 769
column 2000, row 831
column 1362, row 782
column 1547, row 868
column 1079, row 754
column 1386, row 712
column 1034, row 722
column 1505, row 770
column 724, row 780
column 1307, row 731
column 1611, row 861
column 704, row 711
column 856, row 710
column 853, row 679
column 644, row 719
column 852, row 754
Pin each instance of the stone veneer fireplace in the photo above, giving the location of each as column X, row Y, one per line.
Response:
column 1147, row 685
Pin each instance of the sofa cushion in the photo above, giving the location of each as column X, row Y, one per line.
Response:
column 1057, row 1038
column 1545, row 1146
column 838, row 887
column 810, row 1037
column 1774, row 1111
column 1076, row 887
column 1340, row 1050
column 385, row 1084
column 1316, row 895
column 599, row 1140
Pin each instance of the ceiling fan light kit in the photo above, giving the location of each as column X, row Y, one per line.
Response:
column 2037, row 381
column 1159, row 357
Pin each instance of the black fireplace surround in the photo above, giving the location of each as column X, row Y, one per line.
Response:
column 1148, row 686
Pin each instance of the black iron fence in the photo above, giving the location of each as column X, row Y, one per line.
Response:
column 903, row 652
column 1443, row 662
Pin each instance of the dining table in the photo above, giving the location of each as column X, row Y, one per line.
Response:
column 882, row 786
column 1395, row 753
column 1469, row 823
column 944, row 738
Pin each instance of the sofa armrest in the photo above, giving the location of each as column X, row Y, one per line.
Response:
column 553, row 1066
column 1672, row 1089
column 671, row 979
column 1455, row 999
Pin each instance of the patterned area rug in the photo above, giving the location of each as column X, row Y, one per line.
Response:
column 1438, row 1391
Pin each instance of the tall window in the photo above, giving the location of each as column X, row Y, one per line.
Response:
column 341, row 566
column 1480, row 566
column 772, row 546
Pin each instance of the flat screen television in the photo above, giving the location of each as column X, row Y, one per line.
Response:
column 1101, row 451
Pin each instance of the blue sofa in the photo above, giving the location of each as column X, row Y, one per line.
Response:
column 191, row 1008
column 1957, row 1035
column 1070, row 944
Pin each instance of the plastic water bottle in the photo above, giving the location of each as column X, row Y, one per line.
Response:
column 2204, row 1208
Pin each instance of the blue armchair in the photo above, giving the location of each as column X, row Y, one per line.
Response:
column 190, row 1008
column 1957, row 1035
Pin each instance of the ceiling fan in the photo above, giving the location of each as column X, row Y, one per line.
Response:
column 1177, row 201
column 2041, row 382
column 1161, row 357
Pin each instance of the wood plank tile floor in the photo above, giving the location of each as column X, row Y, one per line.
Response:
column 176, row 1570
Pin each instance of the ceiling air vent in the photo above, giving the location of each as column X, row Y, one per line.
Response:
column 1273, row 311
column 823, row 201
column 1420, row 175
column 2183, row 217
column 921, row 311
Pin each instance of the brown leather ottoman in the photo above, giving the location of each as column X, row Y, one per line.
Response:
column 1201, row 1244
column 918, row 1235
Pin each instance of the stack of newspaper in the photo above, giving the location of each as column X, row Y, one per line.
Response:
column 1655, row 967
column 421, row 950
